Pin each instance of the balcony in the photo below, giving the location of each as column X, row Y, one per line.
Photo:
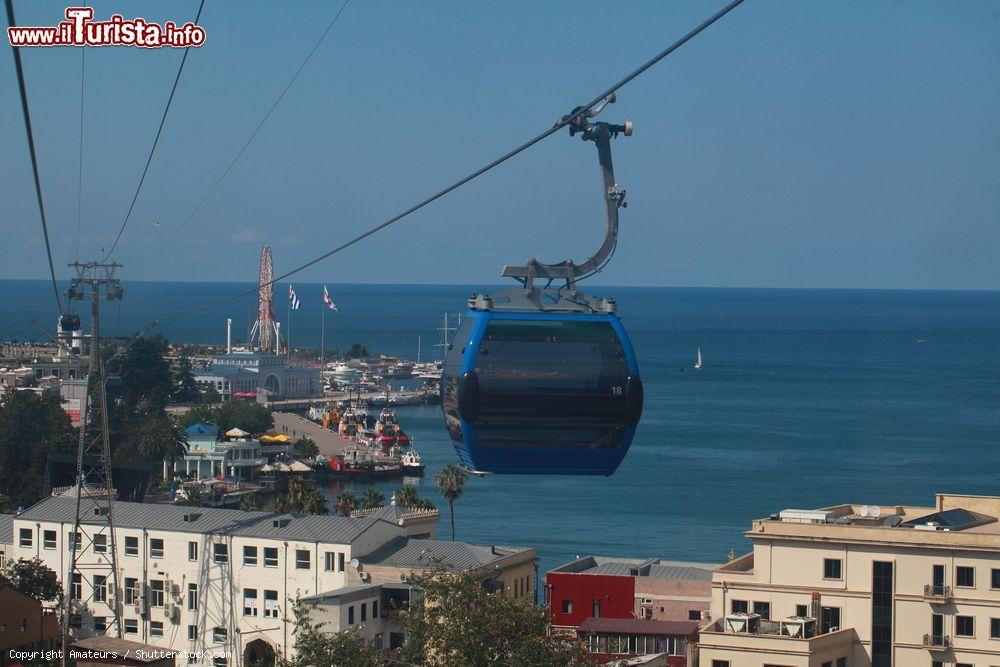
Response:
column 936, row 594
column 936, row 642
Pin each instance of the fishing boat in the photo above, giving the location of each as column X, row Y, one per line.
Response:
column 412, row 463
column 697, row 363
column 353, row 419
column 389, row 431
column 361, row 464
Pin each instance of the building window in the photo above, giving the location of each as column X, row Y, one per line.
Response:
column 271, row 604
column 596, row 609
column 249, row 601
column 340, row 562
column 131, row 590
column 131, row 546
column 329, row 561
column 100, row 588
column 965, row 626
column 965, row 576
column 301, row 559
column 882, row 630
column 76, row 587
column 73, row 542
column 740, row 607
column 220, row 552
column 49, row 539
column 193, row 597
column 156, row 593
column 270, row 556
column 220, row 661
column 374, row 609
column 193, row 633
column 694, row 615
column 156, row 547
column 995, row 628
column 192, row 551
column 720, row 663
column 350, row 615
column 841, row 662
column 832, row 568
column 100, row 624
column 249, row 555
column 995, row 578
column 100, row 544
column 801, row 610
column 131, row 626
column 567, row 606
column 220, row 635
column 364, row 612
column 829, row 619
column 25, row 537
column 763, row 609
column 156, row 628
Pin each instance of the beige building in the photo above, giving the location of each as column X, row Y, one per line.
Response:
column 860, row 585
column 218, row 585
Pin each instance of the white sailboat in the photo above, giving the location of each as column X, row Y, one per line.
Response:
column 697, row 363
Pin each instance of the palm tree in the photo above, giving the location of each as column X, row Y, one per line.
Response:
column 373, row 498
column 314, row 502
column 406, row 496
column 347, row 502
column 450, row 483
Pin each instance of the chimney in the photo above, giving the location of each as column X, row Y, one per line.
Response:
column 229, row 335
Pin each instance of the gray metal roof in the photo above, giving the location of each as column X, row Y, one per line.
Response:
column 6, row 529
column 408, row 552
column 626, row 567
column 305, row 527
column 345, row 591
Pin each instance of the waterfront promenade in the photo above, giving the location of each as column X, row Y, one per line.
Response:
column 329, row 442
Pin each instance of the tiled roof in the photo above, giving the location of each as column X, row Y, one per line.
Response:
column 407, row 552
column 6, row 528
column 306, row 527
column 638, row 626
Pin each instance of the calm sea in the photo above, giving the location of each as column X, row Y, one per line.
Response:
column 806, row 398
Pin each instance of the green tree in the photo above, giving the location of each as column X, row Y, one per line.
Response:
column 186, row 389
column 406, row 496
column 193, row 498
column 145, row 372
column 34, row 578
column 347, row 502
column 356, row 351
column 210, row 395
column 305, row 448
column 451, row 482
column 299, row 499
column 153, row 435
column 462, row 618
column 31, row 426
column 314, row 648
column 253, row 418
column 372, row 498
column 250, row 503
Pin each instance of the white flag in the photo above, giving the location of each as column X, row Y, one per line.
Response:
column 327, row 300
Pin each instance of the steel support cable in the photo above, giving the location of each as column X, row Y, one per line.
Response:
column 34, row 157
column 79, row 182
column 260, row 125
column 156, row 140
column 566, row 120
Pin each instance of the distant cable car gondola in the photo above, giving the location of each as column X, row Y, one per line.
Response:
column 545, row 381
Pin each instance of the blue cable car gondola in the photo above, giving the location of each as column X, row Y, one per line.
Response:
column 541, row 380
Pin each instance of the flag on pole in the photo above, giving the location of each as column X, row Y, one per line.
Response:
column 293, row 298
column 327, row 300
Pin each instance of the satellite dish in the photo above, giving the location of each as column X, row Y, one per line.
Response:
column 355, row 563
column 865, row 510
column 876, row 511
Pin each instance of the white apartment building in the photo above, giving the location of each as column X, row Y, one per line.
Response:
column 216, row 584
column 862, row 586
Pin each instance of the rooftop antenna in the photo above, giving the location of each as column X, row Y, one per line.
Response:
column 93, row 489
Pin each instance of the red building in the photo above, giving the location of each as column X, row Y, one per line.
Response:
column 626, row 607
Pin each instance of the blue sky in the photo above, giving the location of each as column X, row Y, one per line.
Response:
column 794, row 144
